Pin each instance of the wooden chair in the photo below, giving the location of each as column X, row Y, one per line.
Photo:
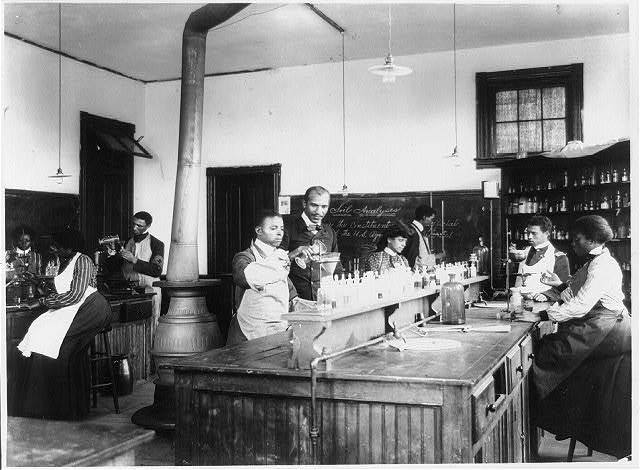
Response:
column 572, row 448
column 96, row 356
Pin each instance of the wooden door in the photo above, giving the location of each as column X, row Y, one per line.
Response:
column 234, row 196
column 106, row 180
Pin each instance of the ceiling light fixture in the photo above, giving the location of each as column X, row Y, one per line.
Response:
column 455, row 156
column 389, row 71
column 60, row 175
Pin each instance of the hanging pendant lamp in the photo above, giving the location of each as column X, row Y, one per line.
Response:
column 60, row 175
column 389, row 71
column 455, row 156
column 344, row 191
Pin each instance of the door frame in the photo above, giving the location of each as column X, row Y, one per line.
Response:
column 88, row 121
column 273, row 170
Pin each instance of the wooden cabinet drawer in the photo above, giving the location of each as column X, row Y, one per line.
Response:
column 514, row 368
column 482, row 398
column 526, row 349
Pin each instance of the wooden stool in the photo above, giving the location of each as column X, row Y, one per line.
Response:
column 97, row 356
column 572, row 448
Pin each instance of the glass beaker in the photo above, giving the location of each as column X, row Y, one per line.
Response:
column 317, row 248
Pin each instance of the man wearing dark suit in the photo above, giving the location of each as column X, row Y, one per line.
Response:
column 300, row 233
column 418, row 251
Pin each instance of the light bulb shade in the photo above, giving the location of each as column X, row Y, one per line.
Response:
column 389, row 71
column 59, row 175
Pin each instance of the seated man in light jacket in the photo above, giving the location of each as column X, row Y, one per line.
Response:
column 263, row 291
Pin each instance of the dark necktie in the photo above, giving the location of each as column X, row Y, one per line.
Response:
column 313, row 228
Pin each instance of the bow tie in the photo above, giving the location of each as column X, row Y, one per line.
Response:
column 313, row 228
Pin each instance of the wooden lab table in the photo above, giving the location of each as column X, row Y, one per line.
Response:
column 244, row 405
column 43, row 443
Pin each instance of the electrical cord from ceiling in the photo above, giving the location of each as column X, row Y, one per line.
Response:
column 344, row 133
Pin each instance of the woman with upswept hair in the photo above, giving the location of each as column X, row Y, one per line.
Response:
column 582, row 373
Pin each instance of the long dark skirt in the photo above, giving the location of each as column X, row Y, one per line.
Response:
column 593, row 405
column 60, row 388
column 591, row 401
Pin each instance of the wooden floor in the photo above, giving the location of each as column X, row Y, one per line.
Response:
column 160, row 452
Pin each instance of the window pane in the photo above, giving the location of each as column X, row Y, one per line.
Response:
column 555, row 135
column 507, row 137
column 529, row 104
column 506, row 106
column 530, row 136
column 553, row 102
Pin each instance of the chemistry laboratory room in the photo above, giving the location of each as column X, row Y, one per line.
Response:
column 319, row 233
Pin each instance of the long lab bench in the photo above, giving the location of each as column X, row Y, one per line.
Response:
column 245, row 405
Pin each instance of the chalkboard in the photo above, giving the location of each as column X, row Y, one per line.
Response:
column 360, row 219
column 44, row 212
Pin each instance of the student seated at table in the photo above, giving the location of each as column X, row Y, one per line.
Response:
column 582, row 373
column 390, row 246
column 23, row 256
column 57, row 380
column 263, row 290
column 539, row 257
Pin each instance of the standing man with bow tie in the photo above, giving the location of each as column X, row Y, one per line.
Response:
column 299, row 235
column 418, row 251
column 541, row 256
column 143, row 260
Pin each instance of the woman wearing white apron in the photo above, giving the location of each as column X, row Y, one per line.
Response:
column 582, row 373
column 56, row 382
column 263, row 288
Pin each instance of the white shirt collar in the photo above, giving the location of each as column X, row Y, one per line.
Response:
column 390, row 252
column 307, row 220
column 418, row 225
column 266, row 249
column 542, row 245
column 23, row 253
column 597, row 250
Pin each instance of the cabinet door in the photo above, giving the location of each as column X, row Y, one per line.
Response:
column 485, row 404
column 526, row 348
column 514, row 368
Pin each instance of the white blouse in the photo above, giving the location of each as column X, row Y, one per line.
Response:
column 602, row 287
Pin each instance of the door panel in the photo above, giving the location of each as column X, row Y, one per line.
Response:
column 106, row 182
column 234, row 197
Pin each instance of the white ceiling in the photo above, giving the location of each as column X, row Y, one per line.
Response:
column 144, row 40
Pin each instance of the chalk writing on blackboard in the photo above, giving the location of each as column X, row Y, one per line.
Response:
column 360, row 219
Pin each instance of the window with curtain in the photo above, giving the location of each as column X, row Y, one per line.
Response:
column 527, row 111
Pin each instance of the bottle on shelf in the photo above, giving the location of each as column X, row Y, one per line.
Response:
column 617, row 202
column 624, row 178
column 605, row 202
column 614, row 175
column 602, row 177
column 565, row 179
column 625, row 199
column 563, row 204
